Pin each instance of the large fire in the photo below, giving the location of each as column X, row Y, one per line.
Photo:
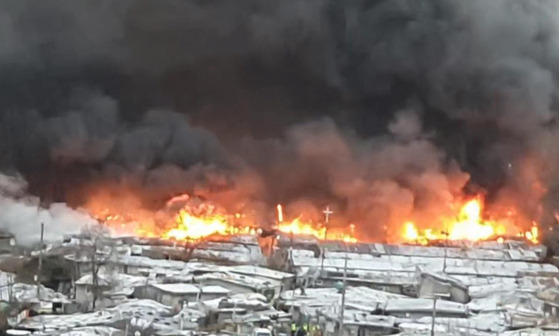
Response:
column 192, row 227
column 320, row 231
column 195, row 222
column 468, row 225
column 190, row 219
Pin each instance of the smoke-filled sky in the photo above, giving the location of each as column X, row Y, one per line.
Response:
column 383, row 109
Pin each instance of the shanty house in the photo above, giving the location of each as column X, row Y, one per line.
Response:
column 85, row 291
column 112, row 288
column 286, row 279
column 356, row 322
column 240, row 284
column 431, row 284
column 175, row 294
column 7, row 241
column 411, row 308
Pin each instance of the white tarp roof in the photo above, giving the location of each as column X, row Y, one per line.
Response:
column 412, row 305
column 355, row 296
column 242, row 280
column 491, row 322
column 450, row 266
column 28, row 293
column 258, row 271
column 187, row 288
column 240, row 300
column 154, row 313
column 512, row 300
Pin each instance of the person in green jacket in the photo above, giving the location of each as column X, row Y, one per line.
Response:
column 293, row 329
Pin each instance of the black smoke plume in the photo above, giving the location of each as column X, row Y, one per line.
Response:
column 384, row 109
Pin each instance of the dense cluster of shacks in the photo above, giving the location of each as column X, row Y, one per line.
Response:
column 96, row 285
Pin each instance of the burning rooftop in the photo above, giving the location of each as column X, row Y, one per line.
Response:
column 187, row 218
column 469, row 225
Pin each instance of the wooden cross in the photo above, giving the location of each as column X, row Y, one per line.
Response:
column 327, row 212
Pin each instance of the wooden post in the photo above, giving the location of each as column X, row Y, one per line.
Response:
column 40, row 265
column 341, row 332
column 94, row 270
column 434, row 316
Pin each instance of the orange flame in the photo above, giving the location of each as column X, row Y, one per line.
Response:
column 186, row 218
column 191, row 227
column 470, row 226
column 298, row 227
column 411, row 233
column 198, row 220
column 467, row 226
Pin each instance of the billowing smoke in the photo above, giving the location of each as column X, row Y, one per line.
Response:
column 374, row 183
column 23, row 215
column 383, row 109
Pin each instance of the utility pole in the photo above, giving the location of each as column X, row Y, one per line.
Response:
column 94, row 271
column 291, row 238
column 40, row 265
column 445, row 233
column 436, row 296
column 183, row 308
column 341, row 332
column 10, row 288
column 444, row 260
column 434, row 316
column 200, row 291
column 234, row 317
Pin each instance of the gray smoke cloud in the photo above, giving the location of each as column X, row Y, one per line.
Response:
column 383, row 108
column 375, row 183
column 23, row 215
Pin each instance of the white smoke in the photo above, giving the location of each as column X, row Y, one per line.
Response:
column 22, row 215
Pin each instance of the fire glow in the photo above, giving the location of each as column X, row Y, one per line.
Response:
column 190, row 219
column 194, row 223
column 300, row 228
column 191, row 227
column 468, row 225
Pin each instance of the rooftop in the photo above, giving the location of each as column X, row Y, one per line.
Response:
column 411, row 305
column 186, row 288
column 260, row 272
